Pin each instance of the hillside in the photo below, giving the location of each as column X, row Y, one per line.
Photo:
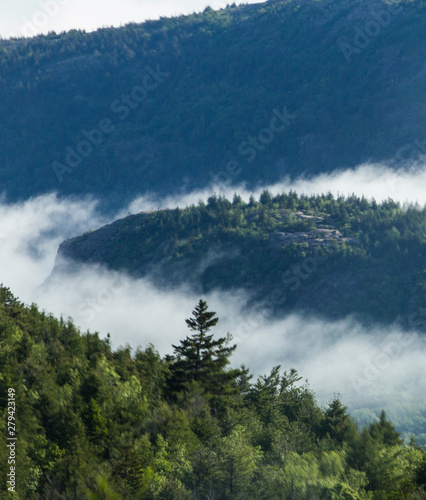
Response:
column 248, row 93
column 94, row 423
column 331, row 257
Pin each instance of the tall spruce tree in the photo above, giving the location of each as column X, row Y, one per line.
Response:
column 203, row 359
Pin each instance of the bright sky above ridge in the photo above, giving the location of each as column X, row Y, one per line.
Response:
column 30, row 17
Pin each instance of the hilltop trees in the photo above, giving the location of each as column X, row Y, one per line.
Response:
column 289, row 251
column 202, row 359
column 95, row 424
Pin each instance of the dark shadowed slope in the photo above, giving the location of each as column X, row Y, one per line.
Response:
column 248, row 93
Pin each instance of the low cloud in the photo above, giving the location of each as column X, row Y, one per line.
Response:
column 373, row 367
column 370, row 180
column 31, row 233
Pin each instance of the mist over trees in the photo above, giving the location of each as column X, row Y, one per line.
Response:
column 98, row 423
column 326, row 255
column 248, row 96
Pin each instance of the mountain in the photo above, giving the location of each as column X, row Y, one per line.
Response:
column 327, row 256
column 83, row 421
column 245, row 94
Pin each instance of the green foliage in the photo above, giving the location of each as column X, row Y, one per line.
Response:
column 318, row 254
column 385, row 432
column 202, row 359
column 100, row 424
column 337, row 424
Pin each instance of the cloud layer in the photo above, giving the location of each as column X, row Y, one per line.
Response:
column 372, row 181
column 368, row 367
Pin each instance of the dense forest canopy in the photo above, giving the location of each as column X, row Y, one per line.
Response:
column 320, row 254
column 247, row 95
column 97, row 423
column 244, row 94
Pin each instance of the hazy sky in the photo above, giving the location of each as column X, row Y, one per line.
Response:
column 29, row 17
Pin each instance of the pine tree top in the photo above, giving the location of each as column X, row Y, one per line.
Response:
column 203, row 319
column 200, row 357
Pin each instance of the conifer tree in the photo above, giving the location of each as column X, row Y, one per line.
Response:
column 384, row 431
column 203, row 359
column 337, row 424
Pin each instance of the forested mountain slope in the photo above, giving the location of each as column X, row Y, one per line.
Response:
column 248, row 93
column 95, row 423
column 328, row 256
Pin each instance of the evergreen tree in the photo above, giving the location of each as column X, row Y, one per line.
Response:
column 95, row 424
column 337, row 424
column 201, row 358
column 384, row 431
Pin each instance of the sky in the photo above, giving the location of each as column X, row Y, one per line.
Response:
column 372, row 369
column 30, row 17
